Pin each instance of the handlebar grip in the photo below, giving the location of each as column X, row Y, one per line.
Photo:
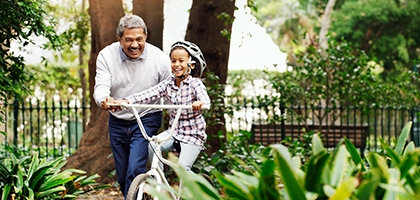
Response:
column 206, row 106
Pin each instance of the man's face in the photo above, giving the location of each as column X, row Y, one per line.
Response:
column 133, row 42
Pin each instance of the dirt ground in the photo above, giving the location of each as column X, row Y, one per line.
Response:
column 112, row 193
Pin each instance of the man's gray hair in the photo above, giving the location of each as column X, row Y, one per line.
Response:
column 130, row 21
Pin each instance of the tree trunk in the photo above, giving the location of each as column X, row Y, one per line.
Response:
column 93, row 154
column 208, row 20
column 325, row 24
column 152, row 14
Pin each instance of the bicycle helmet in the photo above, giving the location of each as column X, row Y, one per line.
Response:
column 195, row 54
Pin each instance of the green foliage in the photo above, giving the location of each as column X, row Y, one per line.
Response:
column 234, row 154
column 339, row 78
column 56, row 80
column 338, row 174
column 33, row 178
column 20, row 21
column 216, row 92
column 301, row 147
column 387, row 30
column 65, row 73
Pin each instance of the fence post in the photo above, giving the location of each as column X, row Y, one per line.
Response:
column 414, row 133
column 282, row 113
column 15, row 123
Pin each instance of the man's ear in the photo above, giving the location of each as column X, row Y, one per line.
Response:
column 118, row 38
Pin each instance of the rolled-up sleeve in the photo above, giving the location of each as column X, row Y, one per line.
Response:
column 201, row 92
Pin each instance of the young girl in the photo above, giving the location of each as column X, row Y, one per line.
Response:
column 183, row 88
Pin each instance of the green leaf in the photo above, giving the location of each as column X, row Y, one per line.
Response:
column 283, row 161
column 267, row 187
column 45, row 193
column 409, row 148
column 314, row 170
column 33, row 165
column 339, row 166
column 6, row 191
column 354, row 153
column 367, row 189
column 395, row 158
column 378, row 165
column 403, row 138
column 317, row 144
column 38, row 177
column 345, row 190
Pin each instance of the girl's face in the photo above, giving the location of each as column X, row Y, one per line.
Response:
column 179, row 62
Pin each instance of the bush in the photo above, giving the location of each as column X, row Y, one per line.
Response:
column 337, row 174
column 26, row 178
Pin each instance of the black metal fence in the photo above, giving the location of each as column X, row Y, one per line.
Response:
column 54, row 127
column 382, row 122
column 51, row 127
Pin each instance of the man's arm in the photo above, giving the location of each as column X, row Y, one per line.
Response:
column 102, row 87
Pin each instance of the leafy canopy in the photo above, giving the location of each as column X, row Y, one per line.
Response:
column 387, row 30
column 20, row 21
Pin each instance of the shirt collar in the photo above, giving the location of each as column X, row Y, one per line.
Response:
column 186, row 81
column 142, row 56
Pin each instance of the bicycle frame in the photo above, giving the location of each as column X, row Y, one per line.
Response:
column 155, row 171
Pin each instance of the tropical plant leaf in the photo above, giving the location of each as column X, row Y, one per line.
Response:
column 367, row 189
column 339, row 166
column 317, row 145
column 283, row 161
column 346, row 189
column 403, row 138
column 314, row 170
column 53, row 191
column 378, row 165
column 6, row 191
column 268, row 186
column 409, row 148
column 354, row 154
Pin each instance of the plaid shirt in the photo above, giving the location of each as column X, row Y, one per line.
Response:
column 191, row 126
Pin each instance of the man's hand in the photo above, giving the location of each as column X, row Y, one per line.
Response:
column 109, row 100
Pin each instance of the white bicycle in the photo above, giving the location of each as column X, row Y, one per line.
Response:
column 138, row 188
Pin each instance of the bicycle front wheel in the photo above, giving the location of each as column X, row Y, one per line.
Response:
column 137, row 188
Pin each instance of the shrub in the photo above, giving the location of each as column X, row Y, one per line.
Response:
column 33, row 178
column 337, row 174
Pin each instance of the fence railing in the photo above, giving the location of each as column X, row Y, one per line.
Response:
column 383, row 122
column 51, row 127
column 55, row 127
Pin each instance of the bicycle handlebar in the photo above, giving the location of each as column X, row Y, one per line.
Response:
column 163, row 106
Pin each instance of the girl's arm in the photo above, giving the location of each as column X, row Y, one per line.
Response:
column 150, row 94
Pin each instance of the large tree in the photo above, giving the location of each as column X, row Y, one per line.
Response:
column 94, row 151
column 152, row 14
column 209, row 26
column 208, row 19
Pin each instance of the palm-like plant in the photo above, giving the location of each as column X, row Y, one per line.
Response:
column 338, row 174
column 35, row 178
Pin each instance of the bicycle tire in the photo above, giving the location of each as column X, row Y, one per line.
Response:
column 137, row 188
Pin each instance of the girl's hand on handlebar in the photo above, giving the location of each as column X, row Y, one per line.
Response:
column 121, row 101
column 197, row 105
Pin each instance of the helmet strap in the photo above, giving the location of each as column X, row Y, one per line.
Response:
column 185, row 73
